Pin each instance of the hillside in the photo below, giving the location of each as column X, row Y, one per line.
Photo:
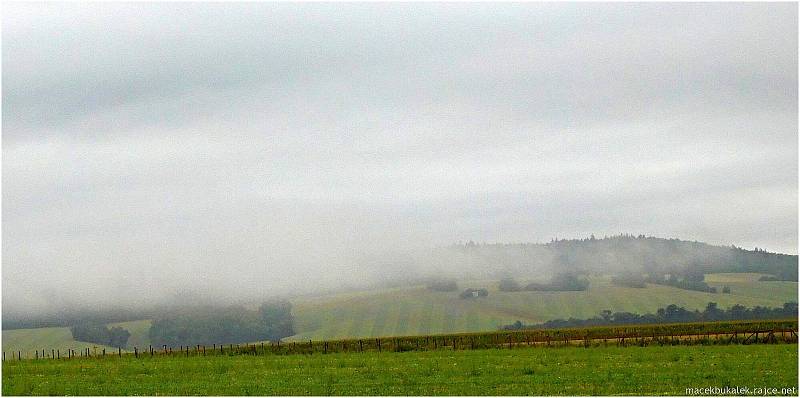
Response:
column 607, row 255
column 417, row 310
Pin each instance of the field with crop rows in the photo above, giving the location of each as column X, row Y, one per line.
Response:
column 409, row 311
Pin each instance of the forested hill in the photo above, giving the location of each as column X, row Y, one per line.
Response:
column 623, row 253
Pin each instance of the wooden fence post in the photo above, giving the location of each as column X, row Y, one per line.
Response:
column 360, row 346
column 58, row 353
column 136, row 352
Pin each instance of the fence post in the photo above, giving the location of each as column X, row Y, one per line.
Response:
column 360, row 346
column 136, row 352
column 104, row 352
column 379, row 344
column 58, row 353
column 204, row 350
column 119, row 351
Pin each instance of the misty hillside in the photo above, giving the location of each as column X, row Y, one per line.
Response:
column 608, row 255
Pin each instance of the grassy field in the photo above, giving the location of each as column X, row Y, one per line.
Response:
column 29, row 340
column 417, row 310
column 544, row 371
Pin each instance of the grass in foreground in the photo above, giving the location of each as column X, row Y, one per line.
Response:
column 555, row 371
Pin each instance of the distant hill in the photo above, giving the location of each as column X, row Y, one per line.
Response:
column 615, row 255
column 608, row 255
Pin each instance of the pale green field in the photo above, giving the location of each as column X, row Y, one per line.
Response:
column 733, row 277
column 419, row 311
column 410, row 311
column 30, row 340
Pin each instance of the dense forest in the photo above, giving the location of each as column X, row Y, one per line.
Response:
column 670, row 314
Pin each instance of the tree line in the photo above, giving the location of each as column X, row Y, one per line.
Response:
column 226, row 325
column 669, row 314
column 100, row 334
column 562, row 282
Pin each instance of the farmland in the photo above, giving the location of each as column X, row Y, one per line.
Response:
column 562, row 371
column 416, row 310
column 419, row 311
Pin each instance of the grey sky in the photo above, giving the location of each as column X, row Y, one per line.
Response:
column 152, row 147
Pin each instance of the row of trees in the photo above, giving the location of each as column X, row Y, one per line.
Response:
column 560, row 282
column 669, row 314
column 100, row 334
column 272, row 321
column 690, row 279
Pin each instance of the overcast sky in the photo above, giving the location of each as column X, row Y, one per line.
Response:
column 151, row 147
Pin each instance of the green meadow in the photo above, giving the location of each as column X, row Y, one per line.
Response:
column 651, row 370
column 418, row 311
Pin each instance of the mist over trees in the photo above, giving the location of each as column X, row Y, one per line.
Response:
column 562, row 282
column 656, row 260
column 614, row 255
column 227, row 325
